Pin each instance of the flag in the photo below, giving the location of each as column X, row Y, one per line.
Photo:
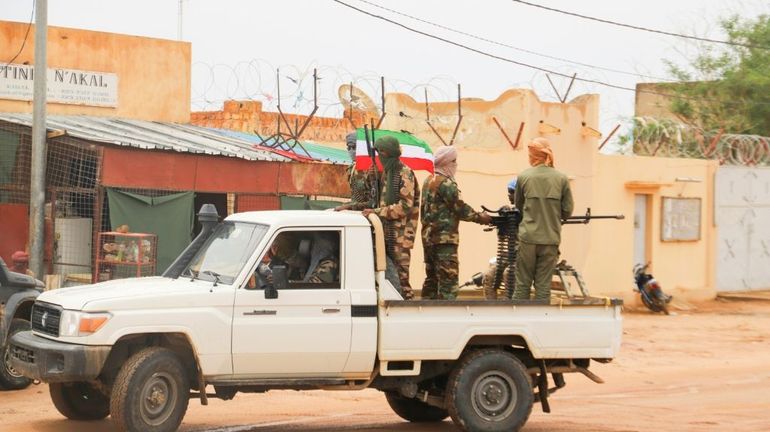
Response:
column 415, row 153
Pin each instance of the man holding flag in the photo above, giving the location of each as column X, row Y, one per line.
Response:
column 398, row 206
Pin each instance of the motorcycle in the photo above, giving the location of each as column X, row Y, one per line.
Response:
column 650, row 290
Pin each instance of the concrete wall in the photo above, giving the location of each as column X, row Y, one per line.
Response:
column 153, row 74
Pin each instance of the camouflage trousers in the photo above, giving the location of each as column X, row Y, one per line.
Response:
column 441, row 272
column 535, row 264
column 402, row 256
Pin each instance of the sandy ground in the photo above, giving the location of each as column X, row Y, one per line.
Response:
column 702, row 370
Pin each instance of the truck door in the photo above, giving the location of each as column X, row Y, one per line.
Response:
column 306, row 331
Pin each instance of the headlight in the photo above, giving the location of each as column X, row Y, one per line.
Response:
column 74, row 323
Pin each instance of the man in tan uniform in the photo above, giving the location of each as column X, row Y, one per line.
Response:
column 544, row 197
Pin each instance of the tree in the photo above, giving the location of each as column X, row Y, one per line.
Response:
column 727, row 88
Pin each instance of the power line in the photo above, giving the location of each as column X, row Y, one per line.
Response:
column 606, row 21
column 26, row 35
column 535, row 67
column 443, row 27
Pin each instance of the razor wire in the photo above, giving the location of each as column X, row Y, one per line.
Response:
column 669, row 138
column 258, row 79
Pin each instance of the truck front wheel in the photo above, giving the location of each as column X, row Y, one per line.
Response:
column 489, row 391
column 10, row 379
column 151, row 392
column 414, row 410
column 79, row 401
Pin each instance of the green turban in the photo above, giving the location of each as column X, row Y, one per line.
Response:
column 389, row 145
column 391, row 165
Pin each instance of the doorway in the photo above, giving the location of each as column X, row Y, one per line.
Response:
column 641, row 228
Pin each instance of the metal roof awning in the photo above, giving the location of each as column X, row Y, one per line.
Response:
column 150, row 135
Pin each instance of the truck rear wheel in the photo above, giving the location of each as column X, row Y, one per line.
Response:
column 10, row 379
column 489, row 391
column 414, row 410
column 151, row 392
column 79, row 401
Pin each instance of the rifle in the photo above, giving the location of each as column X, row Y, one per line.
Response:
column 588, row 217
column 375, row 186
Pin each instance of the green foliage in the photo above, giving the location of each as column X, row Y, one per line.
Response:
column 727, row 88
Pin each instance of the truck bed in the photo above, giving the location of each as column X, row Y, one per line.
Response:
column 440, row 329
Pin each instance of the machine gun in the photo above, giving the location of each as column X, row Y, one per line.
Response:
column 506, row 221
column 588, row 217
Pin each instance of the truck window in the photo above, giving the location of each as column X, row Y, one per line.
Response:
column 312, row 259
column 225, row 253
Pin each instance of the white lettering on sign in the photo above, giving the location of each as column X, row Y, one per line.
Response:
column 67, row 86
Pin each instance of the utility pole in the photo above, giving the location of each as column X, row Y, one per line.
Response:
column 179, row 21
column 37, row 176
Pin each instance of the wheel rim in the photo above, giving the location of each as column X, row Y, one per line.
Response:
column 159, row 395
column 494, row 396
column 7, row 364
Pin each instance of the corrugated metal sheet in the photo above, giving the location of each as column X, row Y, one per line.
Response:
column 316, row 151
column 149, row 135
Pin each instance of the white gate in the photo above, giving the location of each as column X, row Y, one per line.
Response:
column 743, row 220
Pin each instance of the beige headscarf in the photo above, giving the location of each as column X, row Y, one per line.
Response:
column 540, row 152
column 445, row 161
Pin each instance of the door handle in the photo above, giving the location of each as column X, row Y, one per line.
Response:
column 261, row 312
column 330, row 310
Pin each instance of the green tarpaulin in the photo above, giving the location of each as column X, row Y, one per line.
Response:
column 170, row 217
column 9, row 142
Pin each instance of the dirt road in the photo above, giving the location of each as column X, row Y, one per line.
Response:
column 694, row 371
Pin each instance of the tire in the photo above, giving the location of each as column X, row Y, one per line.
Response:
column 10, row 379
column 414, row 410
column 79, row 401
column 150, row 393
column 486, row 371
column 660, row 300
column 651, row 303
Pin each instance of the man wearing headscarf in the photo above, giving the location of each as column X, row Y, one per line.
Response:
column 360, row 181
column 441, row 211
column 398, row 208
column 544, row 197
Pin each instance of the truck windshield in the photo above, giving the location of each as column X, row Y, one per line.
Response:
column 225, row 253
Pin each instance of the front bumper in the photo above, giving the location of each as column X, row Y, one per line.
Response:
column 51, row 361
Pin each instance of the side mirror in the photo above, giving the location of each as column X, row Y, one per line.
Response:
column 280, row 281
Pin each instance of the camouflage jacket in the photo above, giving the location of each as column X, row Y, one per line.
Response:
column 325, row 272
column 360, row 188
column 402, row 215
column 442, row 209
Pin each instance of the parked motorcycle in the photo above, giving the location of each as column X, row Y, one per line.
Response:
column 652, row 294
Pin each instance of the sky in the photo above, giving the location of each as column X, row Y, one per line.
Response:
column 237, row 45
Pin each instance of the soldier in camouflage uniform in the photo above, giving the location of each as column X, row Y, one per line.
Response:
column 324, row 259
column 360, row 181
column 398, row 208
column 441, row 211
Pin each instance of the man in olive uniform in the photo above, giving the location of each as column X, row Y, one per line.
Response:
column 544, row 197
column 398, row 208
column 360, row 181
column 441, row 211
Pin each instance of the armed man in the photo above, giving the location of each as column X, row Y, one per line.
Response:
column 360, row 181
column 441, row 211
column 398, row 208
column 544, row 197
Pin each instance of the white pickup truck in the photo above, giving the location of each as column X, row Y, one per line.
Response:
column 325, row 318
